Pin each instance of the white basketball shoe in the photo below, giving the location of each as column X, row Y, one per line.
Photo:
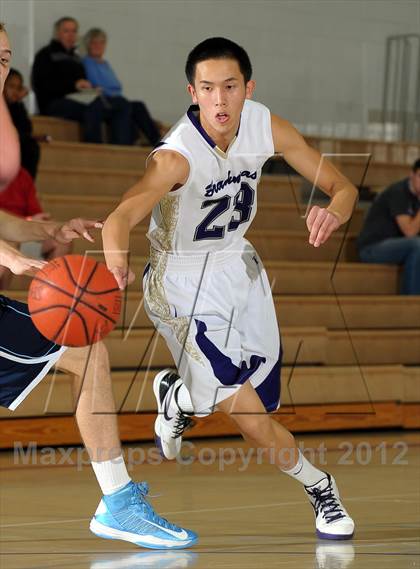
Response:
column 171, row 421
column 331, row 518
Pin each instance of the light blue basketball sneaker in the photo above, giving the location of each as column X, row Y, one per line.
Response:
column 127, row 515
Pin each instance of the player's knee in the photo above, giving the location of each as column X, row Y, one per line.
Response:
column 78, row 360
column 97, row 366
column 259, row 428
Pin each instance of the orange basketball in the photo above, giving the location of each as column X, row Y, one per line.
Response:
column 74, row 301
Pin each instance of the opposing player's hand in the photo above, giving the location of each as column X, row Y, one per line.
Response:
column 123, row 275
column 321, row 223
column 75, row 228
column 21, row 265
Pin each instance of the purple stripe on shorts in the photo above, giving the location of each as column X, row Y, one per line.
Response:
column 223, row 368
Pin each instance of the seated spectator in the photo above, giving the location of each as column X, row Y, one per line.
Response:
column 19, row 198
column 62, row 90
column 391, row 231
column 100, row 74
column 14, row 93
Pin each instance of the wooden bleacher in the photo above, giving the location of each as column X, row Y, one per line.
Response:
column 351, row 343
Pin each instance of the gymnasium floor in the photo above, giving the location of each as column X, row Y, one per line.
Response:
column 247, row 515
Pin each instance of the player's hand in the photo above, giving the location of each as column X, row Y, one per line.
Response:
column 21, row 265
column 321, row 223
column 78, row 227
column 123, row 275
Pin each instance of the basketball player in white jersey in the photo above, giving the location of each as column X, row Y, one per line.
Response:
column 205, row 288
column 26, row 356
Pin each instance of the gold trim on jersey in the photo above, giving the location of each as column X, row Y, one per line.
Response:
column 163, row 234
column 158, row 304
column 155, row 291
column 224, row 153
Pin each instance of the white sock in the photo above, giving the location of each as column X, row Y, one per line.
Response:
column 183, row 399
column 112, row 474
column 305, row 472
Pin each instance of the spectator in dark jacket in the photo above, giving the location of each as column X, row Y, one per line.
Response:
column 14, row 92
column 62, row 90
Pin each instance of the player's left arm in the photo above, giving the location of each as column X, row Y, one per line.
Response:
column 19, row 230
column 321, row 222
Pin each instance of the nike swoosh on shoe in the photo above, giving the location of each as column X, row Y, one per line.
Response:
column 178, row 534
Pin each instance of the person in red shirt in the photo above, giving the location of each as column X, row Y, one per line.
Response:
column 14, row 93
column 20, row 198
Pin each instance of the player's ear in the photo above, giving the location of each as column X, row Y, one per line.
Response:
column 249, row 89
column 192, row 92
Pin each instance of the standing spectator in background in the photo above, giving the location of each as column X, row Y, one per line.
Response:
column 19, row 198
column 14, row 93
column 100, row 74
column 62, row 90
column 391, row 231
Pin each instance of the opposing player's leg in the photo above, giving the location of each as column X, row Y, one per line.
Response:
column 25, row 359
column 94, row 402
column 245, row 408
column 123, row 512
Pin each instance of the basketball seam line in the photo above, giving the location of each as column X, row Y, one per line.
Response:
column 77, row 301
column 52, row 285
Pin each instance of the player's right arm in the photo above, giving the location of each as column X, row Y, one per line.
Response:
column 166, row 170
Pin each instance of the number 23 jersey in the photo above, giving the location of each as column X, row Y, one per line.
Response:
column 214, row 208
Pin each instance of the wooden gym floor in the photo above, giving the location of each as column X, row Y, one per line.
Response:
column 247, row 514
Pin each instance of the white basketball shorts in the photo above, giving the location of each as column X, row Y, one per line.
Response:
column 217, row 315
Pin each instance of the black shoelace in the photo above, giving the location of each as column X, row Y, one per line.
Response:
column 182, row 423
column 327, row 503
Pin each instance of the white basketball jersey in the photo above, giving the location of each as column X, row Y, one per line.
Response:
column 214, row 208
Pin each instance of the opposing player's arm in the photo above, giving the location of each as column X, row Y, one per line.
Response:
column 409, row 226
column 18, row 263
column 13, row 228
column 165, row 171
column 321, row 222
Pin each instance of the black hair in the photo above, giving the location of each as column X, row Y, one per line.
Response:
column 218, row 48
column 16, row 73
column 416, row 165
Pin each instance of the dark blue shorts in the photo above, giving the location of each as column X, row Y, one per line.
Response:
column 25, row 355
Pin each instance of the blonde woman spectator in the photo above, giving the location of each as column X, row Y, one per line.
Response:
column 100, row 74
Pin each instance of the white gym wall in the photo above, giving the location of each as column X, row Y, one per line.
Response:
column 318, row 63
